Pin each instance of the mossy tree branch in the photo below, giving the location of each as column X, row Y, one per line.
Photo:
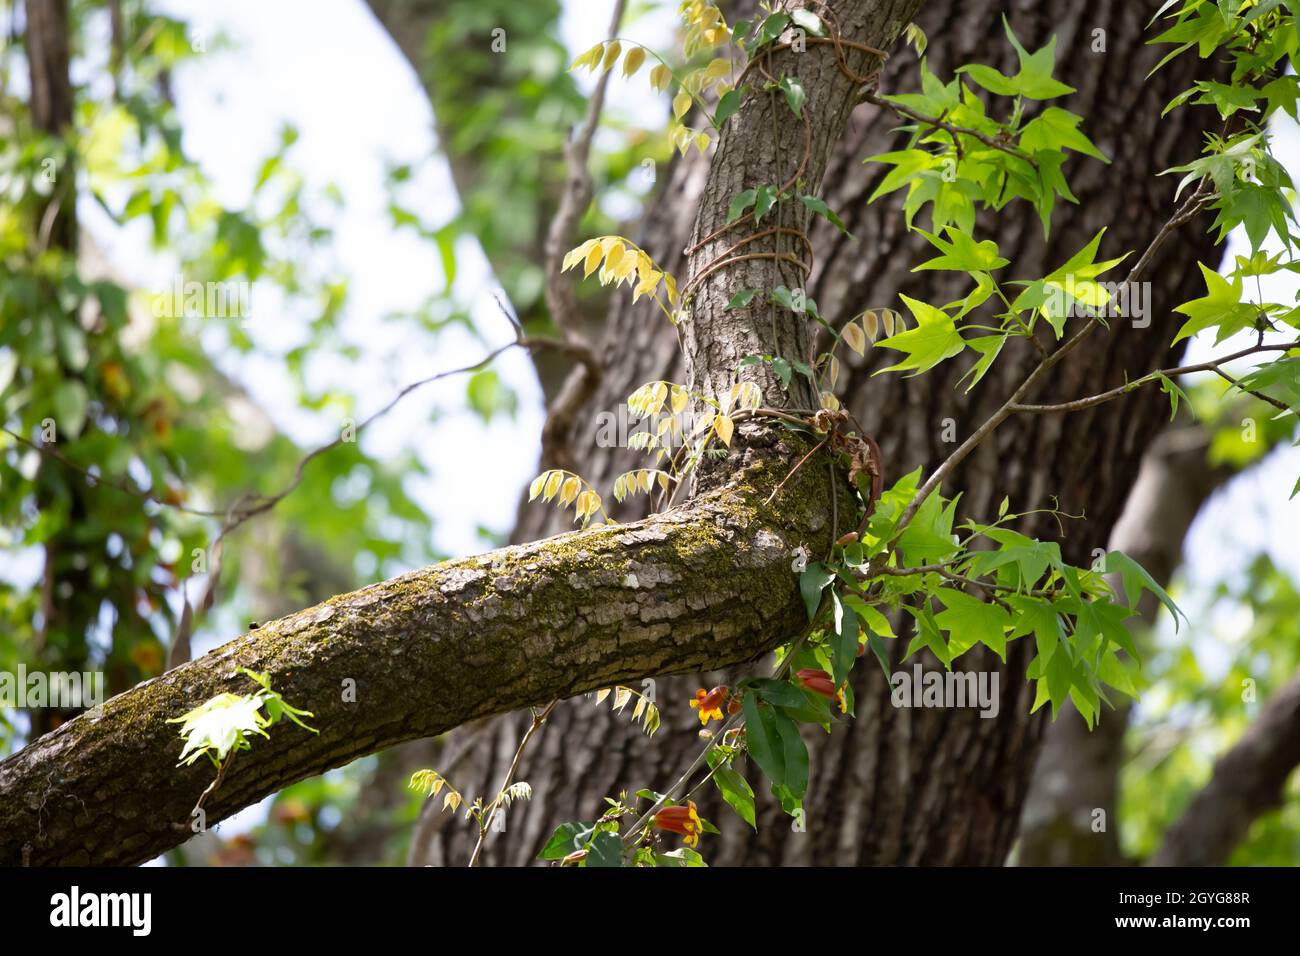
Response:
column 707, row 585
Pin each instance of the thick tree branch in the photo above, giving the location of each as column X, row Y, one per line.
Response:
column 705, row 586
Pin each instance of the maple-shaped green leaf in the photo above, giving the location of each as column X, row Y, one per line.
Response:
column 1221, row 307
column 928, row 536
column 934, row 339
column 988, row 347
column 970, row 621
column 1036, row 616
column 1057, row 129
column 1055, row 294
column 1136, row 580
column 961, row 253
column 1034, row 79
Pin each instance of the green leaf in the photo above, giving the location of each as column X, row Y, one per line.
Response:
column 567, row 838
column 70, row 400
column 970, row 621
column 812, row 581
column 761, row 738
column 928, row 536
column 1221, row 307
column 819, row 207
column 1136, row 580
column 740, row 203
column 771, row 28
column 734, row 788
column 605, row 849
column 795, row 754
column 1056, row 129
column 934, row 339
column 962, row 253
column 794, row 94
column 727, row 107
column 742, row 298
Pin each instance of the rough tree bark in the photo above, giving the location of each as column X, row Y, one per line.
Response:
column 897, row 785
column 706, row 585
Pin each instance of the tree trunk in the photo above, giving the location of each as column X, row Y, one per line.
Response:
column 907, row 786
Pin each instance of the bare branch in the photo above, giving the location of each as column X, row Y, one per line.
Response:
column 561, row 302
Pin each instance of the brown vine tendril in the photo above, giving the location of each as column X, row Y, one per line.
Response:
column 759, row 63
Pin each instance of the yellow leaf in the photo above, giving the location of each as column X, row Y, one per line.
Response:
column 871, row 324
column 601, row 695
column 574, row 256
column 614, row 250
column 887, row 320
column 681, row 398
column 830, row 401
column 716, row 69
column 670, row 284
column 681, row 104
column 632, row 62
column 626, row 266
column 835, row 370
column 659, row 78
column 590, row 58
column 569, row 490
column 660, row 396
column 611, row 55
column 854, row 337
column 594, row 256
column 724, row 426
column 647, row 285
column 552, row 485
column 702, row 141
column 536, row 487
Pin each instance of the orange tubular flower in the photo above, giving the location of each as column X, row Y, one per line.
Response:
column 710, row 703
column 820, row 683
column 684, row 820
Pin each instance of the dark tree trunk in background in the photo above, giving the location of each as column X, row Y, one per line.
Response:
column 69, row 603
column 899, row 785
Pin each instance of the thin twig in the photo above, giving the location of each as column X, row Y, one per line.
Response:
column 538, row 720
column 1187, row 211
